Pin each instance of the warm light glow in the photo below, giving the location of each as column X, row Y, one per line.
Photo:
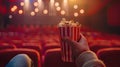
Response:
column 52, row 1
column 36, row 10
column 45, row 11
column 58, row 8
column 57, row 4
column 65, row 1
column 40, row 5
column 27, row 4
column 39, row 1
column 10, row 16
column 22, row 3
column 52, row 11
column 75, row 6
column 76, row 14
column 62, row 12
column 32, row 13
column 14, row 8
column 35, row 4
column 82, row 11
column 20, row 11
column 65, row 6
column 72, row 2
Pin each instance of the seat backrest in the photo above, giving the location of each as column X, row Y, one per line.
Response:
column 8, row 54
column 6, row 46
column 110, row 56
column 53, row 59
column 32, row 46
column 100, row 44
column 52, row 45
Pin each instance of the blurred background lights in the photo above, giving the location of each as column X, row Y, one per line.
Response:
column 53, row 6
column 65, row 7
column 14, row 8
column 57, row 4
column 62, row 12
column 22, row 3
column 20, row 11
column 39, row 1
column 75, row 6
column 32, row 13
column 45, row 11
column 82, row 11
column 65, row 1
column 58, row 8
column 10, row 16
column 35, row 4
column 76, row 14
column 52, row 1
column 27, row 4
column 36, row 10
column 40, row 6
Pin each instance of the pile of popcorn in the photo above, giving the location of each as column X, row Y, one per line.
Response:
column 71, row 23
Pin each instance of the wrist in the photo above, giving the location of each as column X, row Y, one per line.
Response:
column 84, row 57
column 79, row 53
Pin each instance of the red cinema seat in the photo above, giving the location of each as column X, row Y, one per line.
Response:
column 32, row 46
column 110, row 56
column 37, row 45
column 53, row 59
column 6, row 55
column 6, row 46
column 52, row 45
column 100, row 44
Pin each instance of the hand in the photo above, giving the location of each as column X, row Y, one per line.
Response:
column 77, row 47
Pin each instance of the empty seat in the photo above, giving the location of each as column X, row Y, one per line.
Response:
column 110, row 56
column 99, row 44
column 53, row 59
column 8, row 54
column 6, row 46
column 32, row 46
column 51, row 45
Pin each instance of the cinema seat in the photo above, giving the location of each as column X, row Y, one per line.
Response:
column 99, row 44
column 6, row 55
column 110, row 56
column 53, row 59
column 6, row 46
column 32, row 46
column 51, row 45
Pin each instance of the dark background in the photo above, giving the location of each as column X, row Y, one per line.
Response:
column 101, row 15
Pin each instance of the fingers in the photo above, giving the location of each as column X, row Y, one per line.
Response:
column 82, row 42
column 69, row 41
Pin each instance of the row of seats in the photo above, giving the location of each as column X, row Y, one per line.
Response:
column 45, row 41
column 7, row 54
column 110, row 56
column 30, row 47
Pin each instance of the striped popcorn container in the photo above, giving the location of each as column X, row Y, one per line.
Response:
column 71, row 30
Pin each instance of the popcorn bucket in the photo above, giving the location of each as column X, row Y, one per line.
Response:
column 71, row 30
